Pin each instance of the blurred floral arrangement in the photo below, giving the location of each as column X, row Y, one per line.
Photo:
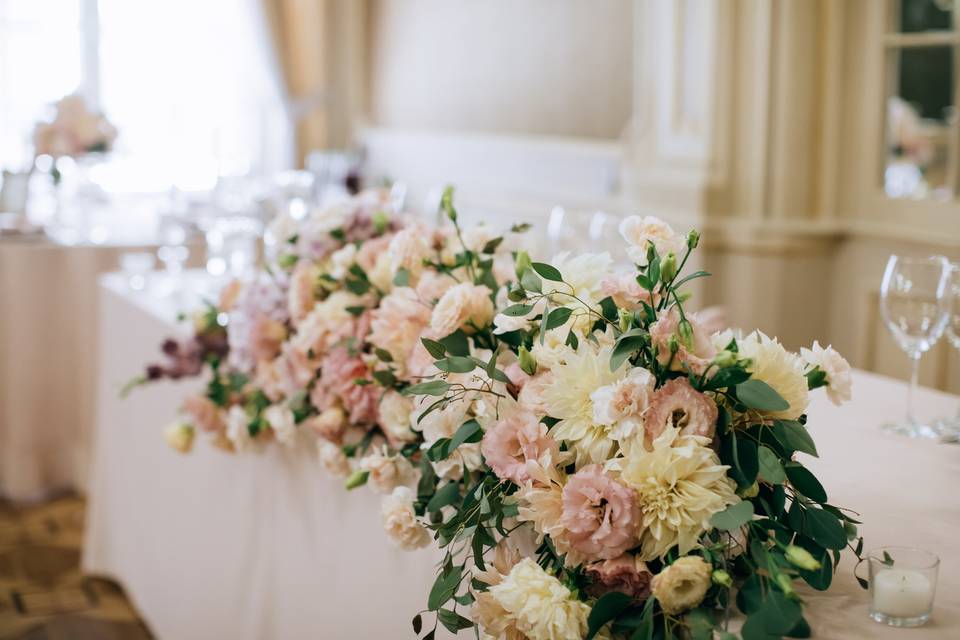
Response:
column 74, row 131
column 593, row 460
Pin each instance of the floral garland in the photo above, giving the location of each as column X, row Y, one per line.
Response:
column 594, row 461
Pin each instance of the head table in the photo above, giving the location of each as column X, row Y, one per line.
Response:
column 267, row 546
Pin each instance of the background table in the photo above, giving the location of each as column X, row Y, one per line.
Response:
column 212, row 545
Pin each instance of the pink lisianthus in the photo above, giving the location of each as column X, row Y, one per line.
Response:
column 697, row 355
column 370, row 250
column 626, row 291
column 624, row 574
column 600, row 515
column 677, row 404
column 513, row 442
column 337, row 384
column 302, row 296
column 204, row 413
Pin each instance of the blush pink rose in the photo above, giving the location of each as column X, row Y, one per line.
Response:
column 204, row 413
column 600, row 515
column 512, row 442
column 623, row 574
column 697, row 358
column 338, row 374
column 677, row 404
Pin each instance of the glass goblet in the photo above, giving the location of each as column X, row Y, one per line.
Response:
column 913, row 303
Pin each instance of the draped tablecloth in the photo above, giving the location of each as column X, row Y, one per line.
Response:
column 48, row 350
column 267, row 546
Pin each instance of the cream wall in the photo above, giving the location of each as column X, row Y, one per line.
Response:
column 756, row 121
column 532, row 67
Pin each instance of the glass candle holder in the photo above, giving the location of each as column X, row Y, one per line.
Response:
column 903, row 581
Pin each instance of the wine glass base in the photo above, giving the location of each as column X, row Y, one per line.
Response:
column 912, row 430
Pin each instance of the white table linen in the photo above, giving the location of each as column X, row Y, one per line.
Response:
column 268, row 546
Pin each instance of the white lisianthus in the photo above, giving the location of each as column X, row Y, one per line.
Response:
column 179, row 435
column 771, row 363
column 682, row 585
column 388, row 472
column 836, row 368
column 639, row 232
column 585, row 274
column 504, row 323
column 621, row 405
column 333, row 459
column 541, row 607
column 281, row 420
column 400, row 520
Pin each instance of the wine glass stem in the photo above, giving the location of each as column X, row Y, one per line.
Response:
column 914, row 378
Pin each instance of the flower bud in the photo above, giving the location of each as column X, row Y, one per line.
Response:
column 179, row 435
column 686, row 333
column 381, row 221
column 693, row 239
column 674, row 345
column 356, row 479
column 626, row 319
column 750, row 492
column 446, row 203
column 800, row 557
column 725, row 359
column 522, row 263
column 722, row 578
column 785, row 584
column 668, row 268
column 528, row 364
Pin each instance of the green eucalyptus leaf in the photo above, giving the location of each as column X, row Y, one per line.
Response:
column 608, row 607
column 402, row 278
column 757, row 394
column 530, row 281
column 626, row 346
column 794, row 437
column 445, row 495
column 824, row 528
column 444, row 587
column 733, row 517
column 430, row 388
column 456, row 343
column 453, row 621
column 558, row 317
column 517, row 310
column 456, row 364
column 771, row 469
column 805, row 482
column 434, row 348
column 469, row 431
column 547, row 272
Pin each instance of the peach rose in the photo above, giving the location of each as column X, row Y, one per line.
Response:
column 204, row 413
column 625, row 574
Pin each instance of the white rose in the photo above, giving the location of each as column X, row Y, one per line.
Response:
column 179, row 435
column 388, row 472
column 282, row 422
column 839, row 380
column 639, row 231
column 400, row 520
column 463, row 306
column 333, row 459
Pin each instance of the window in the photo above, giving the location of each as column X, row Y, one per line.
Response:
column 922, row 130
column 191, row 86
column 41, row 60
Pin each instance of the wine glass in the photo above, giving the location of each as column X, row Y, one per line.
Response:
column 950, row 427
column 913, row 302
